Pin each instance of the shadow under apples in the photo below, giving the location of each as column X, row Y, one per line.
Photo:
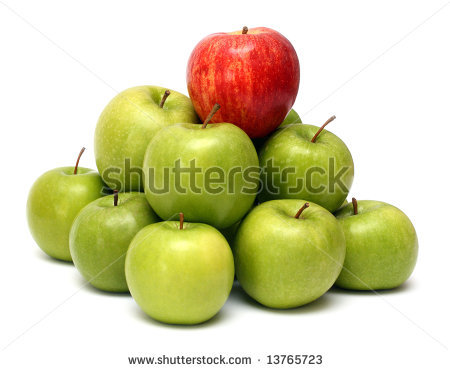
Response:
column 46, row 258
column 405, row 287
column 84, row 285
column 141, row 315
column 322, row 303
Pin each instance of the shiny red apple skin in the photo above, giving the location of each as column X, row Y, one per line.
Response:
column 254, row 77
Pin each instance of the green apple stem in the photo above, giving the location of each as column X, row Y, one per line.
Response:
column 211, row 114
column 181, row 220
column 355, row 206
column 116, row 197
column 313, row 140
column 75, row 170
column 304, row 206
column 163, row 99
column 244, row 30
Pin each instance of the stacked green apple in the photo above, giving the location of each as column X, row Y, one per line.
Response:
column 180, row 207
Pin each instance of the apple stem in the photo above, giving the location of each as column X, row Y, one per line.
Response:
column 211, row 114
column 163, row 99
column 355, row 206
column 75, row 170
column 304, row 206
column 244, row 30
column 116, row 197
column 332, row 118
column 181, row 220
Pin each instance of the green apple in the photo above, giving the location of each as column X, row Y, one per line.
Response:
column 230, row 233
column 381, row 243
column 344, row 203
column 179, row 273
column 54, row 200
column 127, row 125
column 306, row 162
column 291, row 118
column 101, row 234
column 288, row 252
column 210, row 172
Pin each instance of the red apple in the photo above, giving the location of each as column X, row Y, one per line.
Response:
column 253, row 74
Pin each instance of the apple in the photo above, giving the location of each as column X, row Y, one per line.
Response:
column 381, row 243
column 179, row 272
column 291, row 118
column 306, row 162
column 101, row 234
column 127, row 125
column 288, row 252
column 344, row 203
column 210, row 172
column 54, row 200
column 253, row 74
column 230, row 233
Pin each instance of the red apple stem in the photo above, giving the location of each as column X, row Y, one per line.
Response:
column 211, row 114
column 163, row 99
column 304, row 206
column 332, row 118
column 181, row 220
column 116, row 197
column 355, row 206
column 244, row 30
column 75, row 170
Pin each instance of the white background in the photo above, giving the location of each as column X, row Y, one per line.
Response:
column 382, row 67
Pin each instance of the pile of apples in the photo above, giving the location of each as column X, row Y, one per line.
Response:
column 190, row 191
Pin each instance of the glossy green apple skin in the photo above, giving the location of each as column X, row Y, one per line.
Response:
column 291, row 118
column 180, row 276
column 128, row 123
column 382, row 246
column 221, row 145
column 291, row 147
column 101, row 234
column 54, row 200
column 284, row 262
